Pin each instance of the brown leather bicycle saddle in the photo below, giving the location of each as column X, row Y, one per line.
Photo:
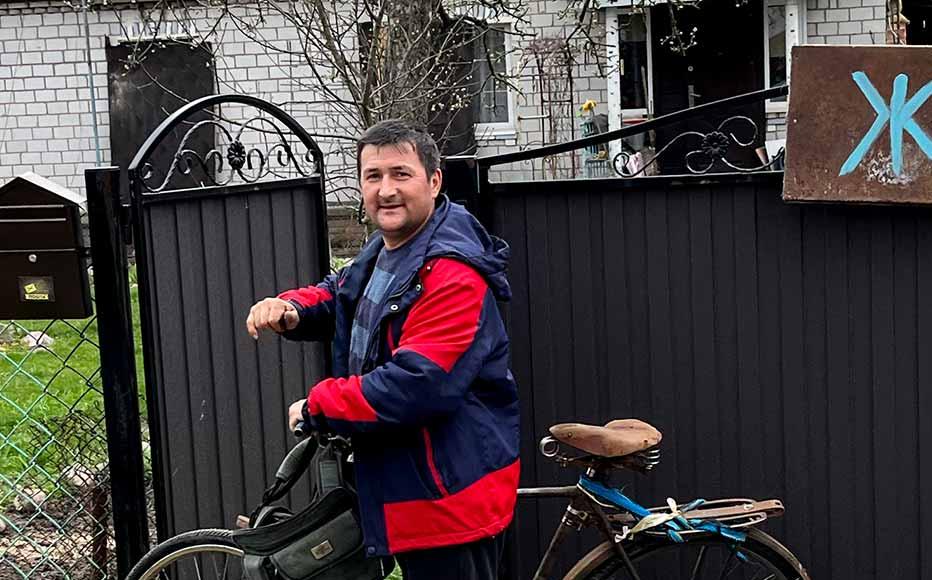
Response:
column 617, row 438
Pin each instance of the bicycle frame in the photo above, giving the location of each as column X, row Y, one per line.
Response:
column 580, row 508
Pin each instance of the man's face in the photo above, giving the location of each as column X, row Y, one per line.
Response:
column 396, row 190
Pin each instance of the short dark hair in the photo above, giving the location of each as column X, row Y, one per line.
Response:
column 396, row 132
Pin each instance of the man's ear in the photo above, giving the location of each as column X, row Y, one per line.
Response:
column 436, row 180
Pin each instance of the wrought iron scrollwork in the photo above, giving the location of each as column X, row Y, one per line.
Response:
column 272, row 156
column 713, row 148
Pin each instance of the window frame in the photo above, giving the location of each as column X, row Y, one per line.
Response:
column 618, row 116
column 794, row 34
column 502, row 129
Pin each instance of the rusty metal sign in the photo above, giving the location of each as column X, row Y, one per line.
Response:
column 859, row 125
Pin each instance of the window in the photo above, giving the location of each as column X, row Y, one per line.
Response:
column 784, row 26
column 493, row 101
column 776, row 44
column 364, row 36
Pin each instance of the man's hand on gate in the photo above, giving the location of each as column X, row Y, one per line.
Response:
column 275, row 313
column 294, row 414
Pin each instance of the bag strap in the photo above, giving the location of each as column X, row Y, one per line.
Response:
column 327, row 471
column 289, row 472
column 325, row 461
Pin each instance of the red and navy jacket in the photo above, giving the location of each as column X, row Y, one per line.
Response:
column 434, row 414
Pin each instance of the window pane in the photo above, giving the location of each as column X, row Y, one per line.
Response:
column 493, row 95
column 632, row 50
column 776, row 26
column 364, row 34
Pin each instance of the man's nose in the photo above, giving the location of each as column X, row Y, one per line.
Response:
column 387, row 187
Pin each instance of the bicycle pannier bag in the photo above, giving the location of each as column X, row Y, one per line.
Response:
column 321, row 542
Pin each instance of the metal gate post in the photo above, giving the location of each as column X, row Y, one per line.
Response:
column 484, row 210
column 118, row 367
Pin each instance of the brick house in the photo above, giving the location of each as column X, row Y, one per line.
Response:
column 48, row 125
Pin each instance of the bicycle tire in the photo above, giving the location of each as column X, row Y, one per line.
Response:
column 603, row 562
column 197, row 544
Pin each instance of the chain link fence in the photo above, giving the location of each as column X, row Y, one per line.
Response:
column 55, row 517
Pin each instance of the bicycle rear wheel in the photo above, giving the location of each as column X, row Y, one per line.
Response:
column 196, row 555
column 705, row 557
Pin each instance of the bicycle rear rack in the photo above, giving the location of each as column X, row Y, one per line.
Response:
column 736, row 513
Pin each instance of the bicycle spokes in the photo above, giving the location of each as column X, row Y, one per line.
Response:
column 702, row 561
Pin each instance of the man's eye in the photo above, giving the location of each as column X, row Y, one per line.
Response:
column 372, row 177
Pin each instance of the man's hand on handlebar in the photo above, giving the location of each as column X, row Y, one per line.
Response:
column 274, row 313
column 296, row 418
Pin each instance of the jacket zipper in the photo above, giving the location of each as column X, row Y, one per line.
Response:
column 390, row 336
column 374, row 338
column 434, row 472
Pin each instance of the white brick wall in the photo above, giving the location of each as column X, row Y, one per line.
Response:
column 776, row 126
column 846, row 21
column 45, row 120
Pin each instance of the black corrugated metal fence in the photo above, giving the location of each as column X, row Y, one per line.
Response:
column 782, row 349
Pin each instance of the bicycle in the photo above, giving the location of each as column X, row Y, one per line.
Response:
column 697, row 540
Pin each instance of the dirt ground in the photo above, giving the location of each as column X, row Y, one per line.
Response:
column 45, row 551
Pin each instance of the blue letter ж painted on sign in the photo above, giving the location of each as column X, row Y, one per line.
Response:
column 900, row 116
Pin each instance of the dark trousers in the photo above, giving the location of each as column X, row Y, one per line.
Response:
column 475, row 561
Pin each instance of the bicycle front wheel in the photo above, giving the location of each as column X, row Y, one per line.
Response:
column 195, row 555
column 705, row 557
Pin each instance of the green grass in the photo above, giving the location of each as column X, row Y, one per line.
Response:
column 51, row 402
column 337, row 263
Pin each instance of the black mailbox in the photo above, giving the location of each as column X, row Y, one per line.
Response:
column 43, row 267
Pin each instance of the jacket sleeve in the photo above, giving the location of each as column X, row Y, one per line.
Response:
column 315, row 305
column 436, row 360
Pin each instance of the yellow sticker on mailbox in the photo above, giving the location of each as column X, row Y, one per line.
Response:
column 36, row 289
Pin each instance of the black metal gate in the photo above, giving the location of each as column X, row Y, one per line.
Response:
column 205, row 253
column 781, row 348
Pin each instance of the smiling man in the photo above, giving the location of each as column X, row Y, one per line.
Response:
column 421, row 378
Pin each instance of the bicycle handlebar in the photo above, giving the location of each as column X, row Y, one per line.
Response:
column 301, row 430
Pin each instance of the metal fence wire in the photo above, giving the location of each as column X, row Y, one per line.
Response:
column 55, row 517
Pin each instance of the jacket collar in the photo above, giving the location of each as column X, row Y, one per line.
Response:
column 452, row 232
column 364, row 263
